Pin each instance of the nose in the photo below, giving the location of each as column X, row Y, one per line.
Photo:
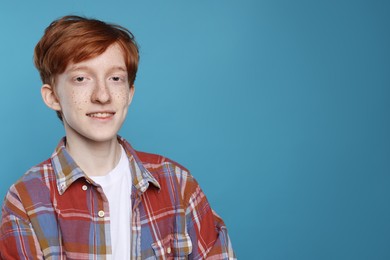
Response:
column 101, row 93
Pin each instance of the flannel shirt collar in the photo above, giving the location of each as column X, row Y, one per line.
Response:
column 67, row 171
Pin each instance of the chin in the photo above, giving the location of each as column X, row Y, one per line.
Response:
column 92, row 134
column 102, row 138
column 96, row 137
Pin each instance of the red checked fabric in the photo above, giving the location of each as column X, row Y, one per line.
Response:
column 56, row 212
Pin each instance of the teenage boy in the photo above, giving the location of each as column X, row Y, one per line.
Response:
column 96, row 197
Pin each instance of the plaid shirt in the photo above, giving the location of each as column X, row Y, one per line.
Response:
column 56, row 212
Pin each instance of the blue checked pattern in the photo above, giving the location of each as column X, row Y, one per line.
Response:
column 56, row 212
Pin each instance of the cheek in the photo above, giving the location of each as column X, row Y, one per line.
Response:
column 77, row 100
column 122, row 97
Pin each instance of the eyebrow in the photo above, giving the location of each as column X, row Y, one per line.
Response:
column 77, row 68
column 121, row 68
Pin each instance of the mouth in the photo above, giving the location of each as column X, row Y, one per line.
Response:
column 101, row 115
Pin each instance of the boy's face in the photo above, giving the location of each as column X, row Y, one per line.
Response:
column 93, row 96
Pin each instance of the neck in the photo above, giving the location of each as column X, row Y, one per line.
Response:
column 94, row 158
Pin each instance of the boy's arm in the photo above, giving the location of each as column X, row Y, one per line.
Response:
column 207, row 230
column 17, row 237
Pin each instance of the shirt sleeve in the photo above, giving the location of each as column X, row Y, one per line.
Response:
column 208, row 232
column 17, row 237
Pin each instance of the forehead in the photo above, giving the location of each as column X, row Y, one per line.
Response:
column 112, row 58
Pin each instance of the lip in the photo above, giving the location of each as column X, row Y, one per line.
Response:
column 102, row 115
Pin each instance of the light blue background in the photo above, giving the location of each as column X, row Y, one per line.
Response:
column 279, row 108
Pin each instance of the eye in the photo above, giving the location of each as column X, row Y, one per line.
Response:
column 116, row 78
column 79, row 79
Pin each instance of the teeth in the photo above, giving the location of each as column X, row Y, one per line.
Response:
column 102, row 115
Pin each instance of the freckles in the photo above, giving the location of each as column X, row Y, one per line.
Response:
column 77, row 101
column 121, row 96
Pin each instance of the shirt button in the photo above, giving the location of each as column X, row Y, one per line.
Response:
column 85, row 187
column 101, row 213
column 169, row 250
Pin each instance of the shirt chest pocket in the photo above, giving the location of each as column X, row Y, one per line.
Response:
column 173, row 246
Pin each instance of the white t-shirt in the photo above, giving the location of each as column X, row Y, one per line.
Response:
column 117, row 188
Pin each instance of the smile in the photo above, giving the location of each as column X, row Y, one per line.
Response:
column 101, row 114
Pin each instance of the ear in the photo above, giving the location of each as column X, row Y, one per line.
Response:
column 131, row 94
column 50, row 98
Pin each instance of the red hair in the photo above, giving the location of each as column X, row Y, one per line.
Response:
column 72, row 39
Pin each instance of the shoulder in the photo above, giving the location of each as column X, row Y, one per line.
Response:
column 149, row 160
column 168, row 172
column 40, row 173
column 34, row 184
column 161, row 166
column 155, row 160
